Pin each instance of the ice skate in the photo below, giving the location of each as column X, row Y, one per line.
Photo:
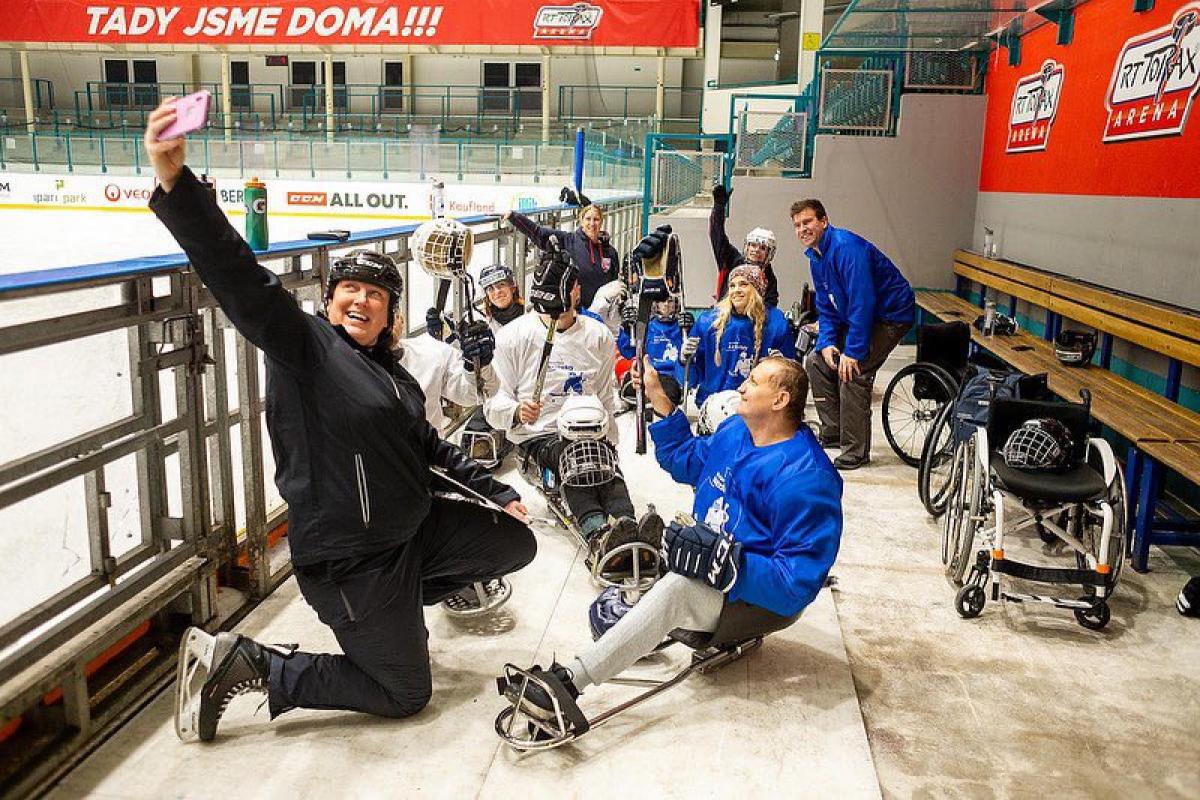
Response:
column 481, row 597
column 232, row 665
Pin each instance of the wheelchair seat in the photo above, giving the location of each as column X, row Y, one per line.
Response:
column 738, row 622
column 1075, row 485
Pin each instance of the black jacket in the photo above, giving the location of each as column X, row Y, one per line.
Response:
column 348, row 430
column 598, row 264
column 728, row 257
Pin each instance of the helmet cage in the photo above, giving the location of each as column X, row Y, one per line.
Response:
column 1039, row 444
column 765, row 238
column 585, row 463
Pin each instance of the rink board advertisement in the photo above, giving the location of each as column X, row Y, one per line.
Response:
column 1112, row 113
column 610, row 23
column 298, row 198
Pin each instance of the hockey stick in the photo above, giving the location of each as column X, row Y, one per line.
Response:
column 544, row 364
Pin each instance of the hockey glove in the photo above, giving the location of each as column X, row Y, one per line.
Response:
column 434, row 325
column 478, row 343
column 720, row 194
column 652, row 243
column 686, row 320
column 690, row 345
column 697, row 551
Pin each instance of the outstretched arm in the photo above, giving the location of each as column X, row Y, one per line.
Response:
column 250, row 295
column 538, row 234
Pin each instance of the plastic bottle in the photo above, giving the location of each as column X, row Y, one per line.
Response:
column 989, row 242
column 256, row 215
column 989, row 318
column 437, row 200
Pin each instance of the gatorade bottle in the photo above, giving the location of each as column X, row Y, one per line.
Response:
column 256, row 215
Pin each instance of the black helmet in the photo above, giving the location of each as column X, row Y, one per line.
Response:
column 1002, row 324
column 1075, row 348
column 553, row 280
column 369, row 267
column 1039, row 444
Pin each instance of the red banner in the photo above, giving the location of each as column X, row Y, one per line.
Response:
column 1119, row 100
column 597, row 23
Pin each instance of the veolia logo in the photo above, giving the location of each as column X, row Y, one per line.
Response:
column 112, row 193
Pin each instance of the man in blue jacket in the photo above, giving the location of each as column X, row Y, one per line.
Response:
column 766, row 530
column 865, row 306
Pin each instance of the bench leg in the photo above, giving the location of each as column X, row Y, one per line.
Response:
column 1150, row 483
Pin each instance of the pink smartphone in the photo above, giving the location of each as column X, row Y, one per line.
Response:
column 191, row 112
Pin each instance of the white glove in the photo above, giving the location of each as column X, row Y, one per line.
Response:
column 690, row 345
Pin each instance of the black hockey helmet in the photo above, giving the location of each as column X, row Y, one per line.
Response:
column 1039, row 444
column 369, row 267
column 553, row 280
column 1075, row 348
column 1003, row 324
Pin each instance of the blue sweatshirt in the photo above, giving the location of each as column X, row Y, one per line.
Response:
column 783, row 502
column 856, row 286
column 663, row 340
column 736, row 347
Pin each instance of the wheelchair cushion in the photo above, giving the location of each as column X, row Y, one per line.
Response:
column 1074, row 485
column 738, row 622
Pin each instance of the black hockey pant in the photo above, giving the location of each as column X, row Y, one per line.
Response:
column 609, row 499
column 374, row 604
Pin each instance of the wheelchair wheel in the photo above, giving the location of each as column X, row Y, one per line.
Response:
column 962, row 514
column 911, row 404
column 1094, row 618
column 969, row 601
column 1092, row 528
column 937, row 463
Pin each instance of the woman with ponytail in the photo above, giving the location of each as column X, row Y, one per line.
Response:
column 733, row 336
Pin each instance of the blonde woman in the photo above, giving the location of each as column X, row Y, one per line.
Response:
column 733, row 336
column 589, row 246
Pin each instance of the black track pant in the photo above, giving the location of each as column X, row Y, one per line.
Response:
column 374, row 606
column 610, row 499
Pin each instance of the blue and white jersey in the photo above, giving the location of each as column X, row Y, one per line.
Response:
column 783, row 502
column 736, row 348
column 663, row 341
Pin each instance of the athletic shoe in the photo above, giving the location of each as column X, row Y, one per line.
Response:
column 846, row 463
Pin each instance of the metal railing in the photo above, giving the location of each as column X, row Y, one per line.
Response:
column 309, row 158
column 12, row 94
column 173, row 484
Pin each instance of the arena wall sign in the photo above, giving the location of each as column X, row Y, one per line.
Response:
column 600, row 23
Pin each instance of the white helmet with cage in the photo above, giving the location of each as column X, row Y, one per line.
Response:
column 442, row 247
column 717, row 407
column 582, row 417
column 764, row 238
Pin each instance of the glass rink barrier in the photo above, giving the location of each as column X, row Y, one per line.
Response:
column 136, row 476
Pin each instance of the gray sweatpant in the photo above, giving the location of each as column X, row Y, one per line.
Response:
column 845, row 408
column 673, row 602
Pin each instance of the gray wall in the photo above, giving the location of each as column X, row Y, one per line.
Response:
column 1146, row 246
column 913, row 195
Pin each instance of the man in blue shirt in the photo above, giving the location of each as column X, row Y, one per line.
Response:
column 865, row 306
column 765, row 530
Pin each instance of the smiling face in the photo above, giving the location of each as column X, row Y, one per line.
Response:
column 739, row 293
column 756, row 253
column 761, row 396
column 502, row 294
column 592, row 218
column 361, row 308
column 808, row 227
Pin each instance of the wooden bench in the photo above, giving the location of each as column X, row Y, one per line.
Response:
column 1162, row 433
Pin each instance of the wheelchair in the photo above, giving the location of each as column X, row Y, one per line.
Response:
column 740, row 629
column 1082, row 504
column 921, row 390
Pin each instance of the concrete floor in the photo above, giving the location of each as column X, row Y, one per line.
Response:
column 879, row 689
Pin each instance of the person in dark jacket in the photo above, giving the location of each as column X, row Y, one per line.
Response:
column 759, row 250
column 370, row 541
column 864, row 308
column 595, row 257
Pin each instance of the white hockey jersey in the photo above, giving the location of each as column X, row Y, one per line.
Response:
column 439, row 369
column 581, row 362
